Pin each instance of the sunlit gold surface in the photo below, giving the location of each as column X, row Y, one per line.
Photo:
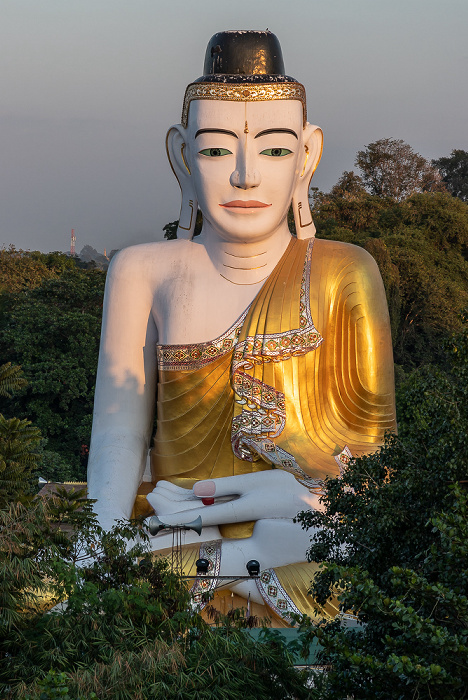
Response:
column 193, row 439
column 296, row 580
column 305, row 162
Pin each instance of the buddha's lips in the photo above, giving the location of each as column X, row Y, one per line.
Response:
column 241, row 204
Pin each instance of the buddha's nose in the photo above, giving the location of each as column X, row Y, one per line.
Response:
column 244, row 178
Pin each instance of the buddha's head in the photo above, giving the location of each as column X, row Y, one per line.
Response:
column 244, row 150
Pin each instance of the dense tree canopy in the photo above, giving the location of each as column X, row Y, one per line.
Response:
column 20, row 269
column 19, row 457
column 454, row 171
column 390, row 168
column 128, row 631
column 19, row 442
column 52, row 329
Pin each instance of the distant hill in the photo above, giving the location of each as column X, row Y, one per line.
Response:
column 89, row 254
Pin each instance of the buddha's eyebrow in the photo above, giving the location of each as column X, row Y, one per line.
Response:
column 276, row 131
column 215, row 131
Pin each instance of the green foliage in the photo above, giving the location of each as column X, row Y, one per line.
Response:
column 170, row 230
column 55, row 685
column 54, row 467
column 11, row 379
column 32, row 535
column 414, row 642
column 26, row 536
column 350, row 186
column 20, row 443
column 454, row 171
column 53, row 331
column 393, row 543
column 26, row 269
column 127, row 630
column 19, row 457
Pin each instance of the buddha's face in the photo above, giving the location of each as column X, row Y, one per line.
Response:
column 245, row 159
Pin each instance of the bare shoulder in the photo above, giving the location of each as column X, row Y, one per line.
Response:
column 148, row 262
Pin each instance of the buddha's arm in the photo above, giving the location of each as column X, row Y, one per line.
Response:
column 125, row 387
column 354, row 371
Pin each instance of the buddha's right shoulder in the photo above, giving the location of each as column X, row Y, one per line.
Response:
column 148, row 260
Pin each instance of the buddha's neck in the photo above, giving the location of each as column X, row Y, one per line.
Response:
column 245, row 263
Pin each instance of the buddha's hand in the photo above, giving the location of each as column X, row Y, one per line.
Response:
column 268, row 494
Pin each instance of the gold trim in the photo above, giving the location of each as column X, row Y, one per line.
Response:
column 182, row 149
column 245, row 256
column 243, row 284
column 305, row 162
column 243, row 92
column 233, row 267
column 169, row 158
column 318, row 159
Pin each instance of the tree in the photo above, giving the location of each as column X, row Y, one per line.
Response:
column 393, row 541
column 349, row 186
column 413, row 639
column 23, row 269
column 19, row 442
column 53, row 331
column 390, row 168
column 454, row 171
column 170, row 230
column 19, row 458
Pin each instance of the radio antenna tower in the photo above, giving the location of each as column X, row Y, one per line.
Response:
column 72, row 242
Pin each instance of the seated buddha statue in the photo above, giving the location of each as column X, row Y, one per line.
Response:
column 267, row 355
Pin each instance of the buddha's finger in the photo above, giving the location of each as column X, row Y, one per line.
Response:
column 184, row 495
column 243, row 483
column 173, row 487
column 164, row 505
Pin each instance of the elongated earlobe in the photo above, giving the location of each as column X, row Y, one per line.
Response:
column 176, row 152
column 305, row 227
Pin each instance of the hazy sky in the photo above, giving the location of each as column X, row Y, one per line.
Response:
column 88, row 89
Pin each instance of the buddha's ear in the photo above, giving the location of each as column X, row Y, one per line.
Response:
column 176, row 152
column 313, row 142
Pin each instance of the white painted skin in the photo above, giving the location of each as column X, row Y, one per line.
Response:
column 179, row 292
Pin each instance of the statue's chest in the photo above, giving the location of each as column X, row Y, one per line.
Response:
column 197, row 308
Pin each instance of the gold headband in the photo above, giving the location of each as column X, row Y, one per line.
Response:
column 243, row 92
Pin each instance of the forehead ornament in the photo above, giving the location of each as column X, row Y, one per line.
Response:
column 243, row 93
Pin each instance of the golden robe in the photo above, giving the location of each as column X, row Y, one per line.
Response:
column 302, row 381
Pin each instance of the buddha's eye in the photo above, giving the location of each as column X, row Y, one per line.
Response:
column 215, row 152
column 275, row 152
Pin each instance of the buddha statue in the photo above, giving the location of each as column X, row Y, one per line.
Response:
column 268, row 355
